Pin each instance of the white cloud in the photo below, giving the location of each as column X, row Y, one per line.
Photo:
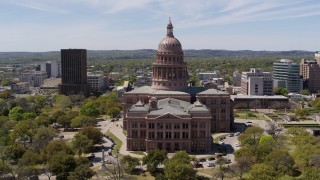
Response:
column 37, row 5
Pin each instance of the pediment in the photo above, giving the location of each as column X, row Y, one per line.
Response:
column 168, row 116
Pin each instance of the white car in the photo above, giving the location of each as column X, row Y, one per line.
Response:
column 237, row 134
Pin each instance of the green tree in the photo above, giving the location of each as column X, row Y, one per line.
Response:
column 129, row 163
column 305, row 92
column 65, row 120
column 302, row 113
column 42, row 136
column 311, row 173
column 61, row 164
column 16, row 113
column 92, row 133
column 14, row 151
column 24, row 132
column 82, row 144
column 254, row 131
column 241, row 166
column 262, row 171
column 28, row 165
column 281, row 161
column 89, row 108
column 153, row 159
column 267, row 141
column 55, row 147
column 5, row 82
column 280, row 91
column 81, row 121
column 5, row 94
column 81, row 172
column 113, row 111
column 221, row 162
column 180, row 167
column 62, row 102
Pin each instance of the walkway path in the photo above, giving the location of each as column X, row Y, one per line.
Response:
column 116, row 129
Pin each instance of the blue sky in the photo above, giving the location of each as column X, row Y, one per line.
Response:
column 49, row 25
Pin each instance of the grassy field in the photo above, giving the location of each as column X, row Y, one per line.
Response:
column 249, row 115
column 118, row 142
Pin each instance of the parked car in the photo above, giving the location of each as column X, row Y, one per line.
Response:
column 219, row 155
column 211, row 158
column 202, row 160
column 211, row 165
column 197, row 165
column 237, row 134
column 91, row 156
column 231, row 135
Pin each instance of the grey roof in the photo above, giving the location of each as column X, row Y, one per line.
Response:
column 213, row 92
column 168, row 109
column 142, row 90
column 198, row 107
column 149, row 90
column 172, row 106
column 139, row 108
column 257, row 97
column 170, row 92
column 178, row 107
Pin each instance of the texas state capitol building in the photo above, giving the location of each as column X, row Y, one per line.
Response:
column 171, row 115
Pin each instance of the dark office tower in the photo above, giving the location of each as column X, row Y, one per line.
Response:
column 48, row 69
column 74, row 72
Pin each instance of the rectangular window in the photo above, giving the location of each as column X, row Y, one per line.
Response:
column 151, row 125
column 168, row 135
column 185, row 135
column 159, row 135
column 176, row 126
column 134, row 124
column 194, row 134
column 142, row 134
column 185, row 125
column 151, row 135
column 168, row 125
column 159, row 126
column 177, row 135
column 202, row 134
column 202, row 125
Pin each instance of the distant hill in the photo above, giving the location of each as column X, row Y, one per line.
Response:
column 94, row 55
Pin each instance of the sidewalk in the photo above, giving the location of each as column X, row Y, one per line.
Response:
column 117, row 131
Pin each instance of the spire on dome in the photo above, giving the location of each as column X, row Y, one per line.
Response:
column 170, row 28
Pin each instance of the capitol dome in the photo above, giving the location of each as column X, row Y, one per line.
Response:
column 170, row 44
column 169, row 69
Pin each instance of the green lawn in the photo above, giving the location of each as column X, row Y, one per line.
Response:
column 118, row 142
column 249, row 115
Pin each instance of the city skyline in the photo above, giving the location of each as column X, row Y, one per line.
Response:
column 34, row 25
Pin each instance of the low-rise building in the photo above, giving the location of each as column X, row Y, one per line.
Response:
column 143, row 81
column 115, row 76
column 35, row 78
column 20, row 88
column 207, row 76
column 256, row 82
column 97, row 82
column 259, row 102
